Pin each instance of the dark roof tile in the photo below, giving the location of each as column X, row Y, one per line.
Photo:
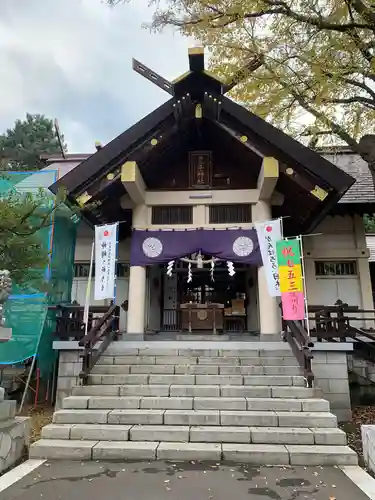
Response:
column 363, row 189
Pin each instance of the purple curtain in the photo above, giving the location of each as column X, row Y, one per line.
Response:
column 162, row 246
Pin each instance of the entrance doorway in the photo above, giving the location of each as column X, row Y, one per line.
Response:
column 206, row 305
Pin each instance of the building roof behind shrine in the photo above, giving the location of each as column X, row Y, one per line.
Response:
column 362, row 191
column 198, row 117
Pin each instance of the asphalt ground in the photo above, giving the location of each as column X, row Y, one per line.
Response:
column 159, row 480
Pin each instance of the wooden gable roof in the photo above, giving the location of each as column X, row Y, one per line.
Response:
column 302, row 170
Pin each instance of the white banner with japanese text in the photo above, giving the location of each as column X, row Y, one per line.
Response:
column 105, row 261
column 269, row 232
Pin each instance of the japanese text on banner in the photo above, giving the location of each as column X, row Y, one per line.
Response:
column 105, row 261
column 269, row 233
column 291, row 281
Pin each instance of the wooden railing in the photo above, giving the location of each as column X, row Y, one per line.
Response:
column 173, row 321
column 103, row 327
column 296, row 335
column 69, row 320
column 340, row 323
column 104, row 331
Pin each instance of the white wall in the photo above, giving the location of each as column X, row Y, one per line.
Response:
column 83, row 250
column 339, row 239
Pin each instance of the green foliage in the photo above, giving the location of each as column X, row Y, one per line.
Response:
column 317, row 74
column 369, row 222
column 21, row 146
column 23, row 219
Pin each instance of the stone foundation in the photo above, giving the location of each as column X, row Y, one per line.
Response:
column 14, row 433
column 330, row 368
column 70, row 365
column 368, row 443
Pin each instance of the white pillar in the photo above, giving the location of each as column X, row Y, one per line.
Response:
column 137, row 300
column 269, row 312
column 363, row 268
column 366, row 289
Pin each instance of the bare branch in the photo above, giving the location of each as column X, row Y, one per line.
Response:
column 351, row 100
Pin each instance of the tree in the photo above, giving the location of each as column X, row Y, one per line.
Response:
column 369, row 222
column 23, row 249
column 22, row 146
column 314, row 60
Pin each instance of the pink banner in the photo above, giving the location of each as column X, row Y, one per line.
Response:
column 293, row 305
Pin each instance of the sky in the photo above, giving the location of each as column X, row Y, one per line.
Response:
column 72, row 60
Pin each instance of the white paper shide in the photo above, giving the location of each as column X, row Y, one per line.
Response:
column 105, row 261
column 269, row 232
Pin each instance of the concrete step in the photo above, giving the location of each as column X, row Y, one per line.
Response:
column 194, row 370
column 155, row 379
column 196, row 403
column 242, row 349
column 197, row 417
column 247, row 359
column 197, row 391
column 201, row 434
column 256, row 454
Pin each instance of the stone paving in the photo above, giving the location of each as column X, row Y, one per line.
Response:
column 181, row 481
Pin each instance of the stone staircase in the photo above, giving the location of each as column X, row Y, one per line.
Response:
column 246, row 404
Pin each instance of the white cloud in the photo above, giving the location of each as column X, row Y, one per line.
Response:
column 71, row 59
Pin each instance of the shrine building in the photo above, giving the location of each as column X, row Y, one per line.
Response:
column 186, row 184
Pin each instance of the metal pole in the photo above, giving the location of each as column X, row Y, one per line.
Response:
column 88, row 291
column 28, row 381
column 32, row 364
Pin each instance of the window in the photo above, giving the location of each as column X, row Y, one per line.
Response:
column 166, row 215
column 228, row 214
column 335, row 268
column 82, row 270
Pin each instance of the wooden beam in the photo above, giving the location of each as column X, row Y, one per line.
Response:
column 104, row 160
column 83, row 199
column 152, row 76
column 196, row 59
column 287, row 149
column 133, row 182
column 243, row 73
column 268, row 177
